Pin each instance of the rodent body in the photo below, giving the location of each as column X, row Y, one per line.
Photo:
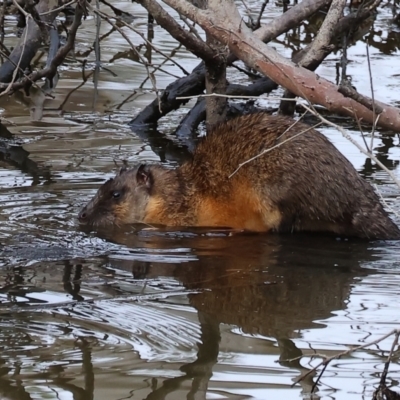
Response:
column 303, row 184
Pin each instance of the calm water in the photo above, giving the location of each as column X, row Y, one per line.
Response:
column 176, row 314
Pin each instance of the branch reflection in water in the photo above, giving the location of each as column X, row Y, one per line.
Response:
column 252, row 295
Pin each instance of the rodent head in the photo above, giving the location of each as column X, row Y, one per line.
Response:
column 120, row 200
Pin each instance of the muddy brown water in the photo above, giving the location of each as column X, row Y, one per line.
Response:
column 177, row 314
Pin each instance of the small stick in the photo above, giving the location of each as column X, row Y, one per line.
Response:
column 273, row 147
column 372, row 97
column 327, row 360
column 386, row 369
column 359, row 147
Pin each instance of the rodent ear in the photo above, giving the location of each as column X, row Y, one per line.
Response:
column 122, row 170
column 143, row 176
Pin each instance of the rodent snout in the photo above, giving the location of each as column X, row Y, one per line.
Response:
column 82, row 215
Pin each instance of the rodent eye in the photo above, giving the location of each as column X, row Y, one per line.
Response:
column 116, row 194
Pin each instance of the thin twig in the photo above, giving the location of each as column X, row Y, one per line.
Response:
column 386, row 368
column 191, row 27
column 248, row 13
column 258, row 23
column 372, row 97
column 104, row 15
column 319, row 378
column 59, row 8
column 362, row 132
column 144, row 62
column 158, row 68
column 229, row 96
column 273, row 147
column 291, row 126
column 16, row 70
column 327, row 360
column 383, row 200
column 359, row 147
column 21, row 9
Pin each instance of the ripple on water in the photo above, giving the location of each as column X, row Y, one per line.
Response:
column 137, row 331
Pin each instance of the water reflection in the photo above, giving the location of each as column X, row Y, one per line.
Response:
column 382, row 154
column 120, row 312
column 14, row 155
column 272, row 286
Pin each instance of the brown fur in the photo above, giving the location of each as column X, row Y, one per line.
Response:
column 305, row 184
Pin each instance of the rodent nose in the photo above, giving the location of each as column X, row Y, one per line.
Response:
column 82, row 215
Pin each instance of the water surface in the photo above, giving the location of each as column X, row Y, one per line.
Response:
column 176, row 314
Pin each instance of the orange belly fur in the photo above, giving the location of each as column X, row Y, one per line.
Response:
column 241, row 210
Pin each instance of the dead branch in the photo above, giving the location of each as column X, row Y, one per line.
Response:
column 350, row 139
column 215, row 79
column 326, row 360
column 194, row 84
column 317, row 51
column 290, row 18
column 51, row 70
column 188, row 85
column 33, row 31
column 224, row 24
column 347, row 90
column 192, row 43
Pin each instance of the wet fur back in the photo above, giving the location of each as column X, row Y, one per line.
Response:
column 303, row 184
column 311, row 183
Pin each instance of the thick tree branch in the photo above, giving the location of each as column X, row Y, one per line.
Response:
column 325, row 33
column 224, row 23
column 317, row 51
column 215, row 81
column 287, row 21
column 194, row 84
